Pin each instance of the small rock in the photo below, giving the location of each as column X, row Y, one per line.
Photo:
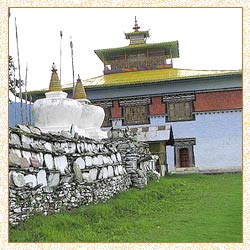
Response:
column 35, row 130
column 49, row 162
column 53, row 180
column 18, row 179
column 24, row 128
column 80, row 162
column 24, row 163
column 77, row 172
column 41, row 178
column 30, row 179
column 14, row 159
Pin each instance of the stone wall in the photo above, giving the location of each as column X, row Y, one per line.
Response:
column 51, row 171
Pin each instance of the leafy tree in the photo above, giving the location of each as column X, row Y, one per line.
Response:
column 13, row 82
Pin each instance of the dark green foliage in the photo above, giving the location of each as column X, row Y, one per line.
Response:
column 152, row 176
column 179, row 208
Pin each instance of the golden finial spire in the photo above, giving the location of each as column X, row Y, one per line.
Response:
column 136, row 27
column 79, row 90
column 55, row 84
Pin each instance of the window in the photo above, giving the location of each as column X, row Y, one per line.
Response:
column 136, row 60
column 179, row 106
column 180, row 111
column 184, row 152
column 142, row 59
column 157, row 58
column 135, row 115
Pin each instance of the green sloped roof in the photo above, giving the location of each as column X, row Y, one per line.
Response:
column 104, row 54
column 152, row 76
column 147, row 77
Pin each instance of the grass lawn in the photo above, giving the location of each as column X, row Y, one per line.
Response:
column 177, row 208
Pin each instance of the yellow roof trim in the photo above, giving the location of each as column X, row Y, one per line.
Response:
column 149, row 76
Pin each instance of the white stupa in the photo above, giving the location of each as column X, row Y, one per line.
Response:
column 92, row 116
column 56, row 112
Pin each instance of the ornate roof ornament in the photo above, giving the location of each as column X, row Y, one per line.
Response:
column 136, row 27
column 55, row 84
column 79, row 90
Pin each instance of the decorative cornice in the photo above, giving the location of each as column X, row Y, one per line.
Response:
column 103, row 104
column 134, row 101
column 185, row 141
column 178, row 97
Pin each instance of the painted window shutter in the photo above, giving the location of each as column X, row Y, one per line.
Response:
column 135, row 115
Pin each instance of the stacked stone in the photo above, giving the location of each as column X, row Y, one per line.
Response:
column 51, row 171
column 135, row 155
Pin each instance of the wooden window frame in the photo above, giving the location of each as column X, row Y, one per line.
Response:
column 182, row 114
column 130, row 122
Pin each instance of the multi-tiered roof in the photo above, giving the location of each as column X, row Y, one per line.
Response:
column 138, row 55
column 144, row 63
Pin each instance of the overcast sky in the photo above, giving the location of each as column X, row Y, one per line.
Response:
column 209, row 38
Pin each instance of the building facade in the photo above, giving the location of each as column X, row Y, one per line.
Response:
column 191, row 118
column 205, row 114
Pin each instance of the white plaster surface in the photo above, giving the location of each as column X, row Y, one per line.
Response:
column 56, row 112
column 91, row 116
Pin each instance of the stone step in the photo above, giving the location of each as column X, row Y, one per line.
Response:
column 188, row 170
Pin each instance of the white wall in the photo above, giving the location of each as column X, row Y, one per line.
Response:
column 218, row 140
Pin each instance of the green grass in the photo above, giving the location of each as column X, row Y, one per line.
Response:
column 179, row 208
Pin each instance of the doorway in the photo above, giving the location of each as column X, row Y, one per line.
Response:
column 184, row 152
column 184, row 158
column 159, row 148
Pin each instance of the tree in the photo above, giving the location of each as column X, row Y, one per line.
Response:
column 13, row 82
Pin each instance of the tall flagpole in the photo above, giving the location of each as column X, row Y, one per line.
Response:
column 61, row 57
column 71, row 46
column 19, row 80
